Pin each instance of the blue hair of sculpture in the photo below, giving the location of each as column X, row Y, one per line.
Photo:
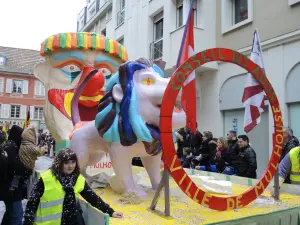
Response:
column 122, row 122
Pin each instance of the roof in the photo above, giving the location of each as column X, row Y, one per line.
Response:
column 19, row 60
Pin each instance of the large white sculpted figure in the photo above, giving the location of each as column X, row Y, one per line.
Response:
column 127, row 122
column 69, row 58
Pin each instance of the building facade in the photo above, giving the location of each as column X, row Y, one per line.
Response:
column 154, row 29
column 19, row 89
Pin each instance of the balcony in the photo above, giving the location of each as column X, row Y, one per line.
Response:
column 156, row 50
column 92, row 13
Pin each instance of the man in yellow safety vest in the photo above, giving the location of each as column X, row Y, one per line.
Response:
column 290, row 165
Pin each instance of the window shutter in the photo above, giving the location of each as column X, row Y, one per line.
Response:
column 36, row 87
column 42, row 89
column 5, row 110
column 31, row 112
column 1, row 84
column 8, row 85
column 25, row 87
column 23, row 111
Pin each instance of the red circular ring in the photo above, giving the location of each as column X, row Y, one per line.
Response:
column 170, row 157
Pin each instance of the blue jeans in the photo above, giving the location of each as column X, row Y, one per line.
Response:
column 13, row 214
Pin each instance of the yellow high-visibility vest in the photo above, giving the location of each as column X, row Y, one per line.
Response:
column 295, row 161
column 51, row 203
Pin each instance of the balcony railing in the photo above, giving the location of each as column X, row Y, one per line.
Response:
column 156, row 49
column 120, row 17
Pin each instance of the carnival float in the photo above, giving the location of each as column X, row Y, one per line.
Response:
column 99, row 103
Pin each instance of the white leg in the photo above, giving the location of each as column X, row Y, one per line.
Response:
column 152, row 166
column 121, row 158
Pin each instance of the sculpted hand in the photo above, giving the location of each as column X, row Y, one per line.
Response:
column 117, row 215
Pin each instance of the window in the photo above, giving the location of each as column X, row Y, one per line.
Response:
column 236, row 13
column 121, row 41
column 1, row 85
column 2, row 60
column 121, row 13
column 240, row 10
column 15, row 111
column 17, row 86
column 179, row 13
column 195, row 12
column 38, row 113
column 157, row 45
column 103, row 32
column 39, row 88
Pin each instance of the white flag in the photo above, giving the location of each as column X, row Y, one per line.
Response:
column 253, row 97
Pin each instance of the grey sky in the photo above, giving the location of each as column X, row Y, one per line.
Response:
column 26, row 23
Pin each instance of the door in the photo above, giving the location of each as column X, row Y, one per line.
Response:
column 259, row 136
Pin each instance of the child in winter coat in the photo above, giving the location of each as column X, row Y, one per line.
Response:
column 54, row 199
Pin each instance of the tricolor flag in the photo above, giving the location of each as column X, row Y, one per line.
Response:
column 188, row 99
column 254, row 96
column 27, row 121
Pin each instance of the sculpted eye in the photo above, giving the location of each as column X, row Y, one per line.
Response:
column 148, row 81
column 106, row 72
column 71, row 71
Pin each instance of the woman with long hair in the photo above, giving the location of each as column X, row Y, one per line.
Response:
column 54, row 199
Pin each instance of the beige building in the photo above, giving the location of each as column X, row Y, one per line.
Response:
column 154, row 28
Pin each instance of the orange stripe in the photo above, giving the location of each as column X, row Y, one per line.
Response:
column 56, row 43
column 74, row 41
column 116, row 48
column 42, row 49
column 102, row 42
column 89, row 37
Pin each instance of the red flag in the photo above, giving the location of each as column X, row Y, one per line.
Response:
column 188, row 99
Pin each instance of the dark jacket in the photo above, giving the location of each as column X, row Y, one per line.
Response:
column 245, row 164
column 15, row 185
column 88, row 194
column 220, row 161
column 232, row 152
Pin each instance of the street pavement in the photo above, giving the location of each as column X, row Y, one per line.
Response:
column 43, row 163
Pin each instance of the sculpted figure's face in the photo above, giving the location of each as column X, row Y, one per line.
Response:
column 63, row 71
column 150, row 88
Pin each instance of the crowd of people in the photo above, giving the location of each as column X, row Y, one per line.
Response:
column 46, row 140
column 63, row 182
column 232, row 155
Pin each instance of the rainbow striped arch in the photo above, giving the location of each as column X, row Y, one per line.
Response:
column 83, row 41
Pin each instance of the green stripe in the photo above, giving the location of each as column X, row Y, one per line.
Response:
column 62, row 40
column 107, row 46
column 80, row 40
column 106, row 219
column 46, row 50
column 62, row 144
column 120, row 52
column 94, row 41
column 227, row 178
column 250, row 182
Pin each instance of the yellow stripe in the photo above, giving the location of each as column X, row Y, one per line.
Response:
column 111, row 46
column 97, row 42
column 85, row 43
column 69, row 41
column 50, row 43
